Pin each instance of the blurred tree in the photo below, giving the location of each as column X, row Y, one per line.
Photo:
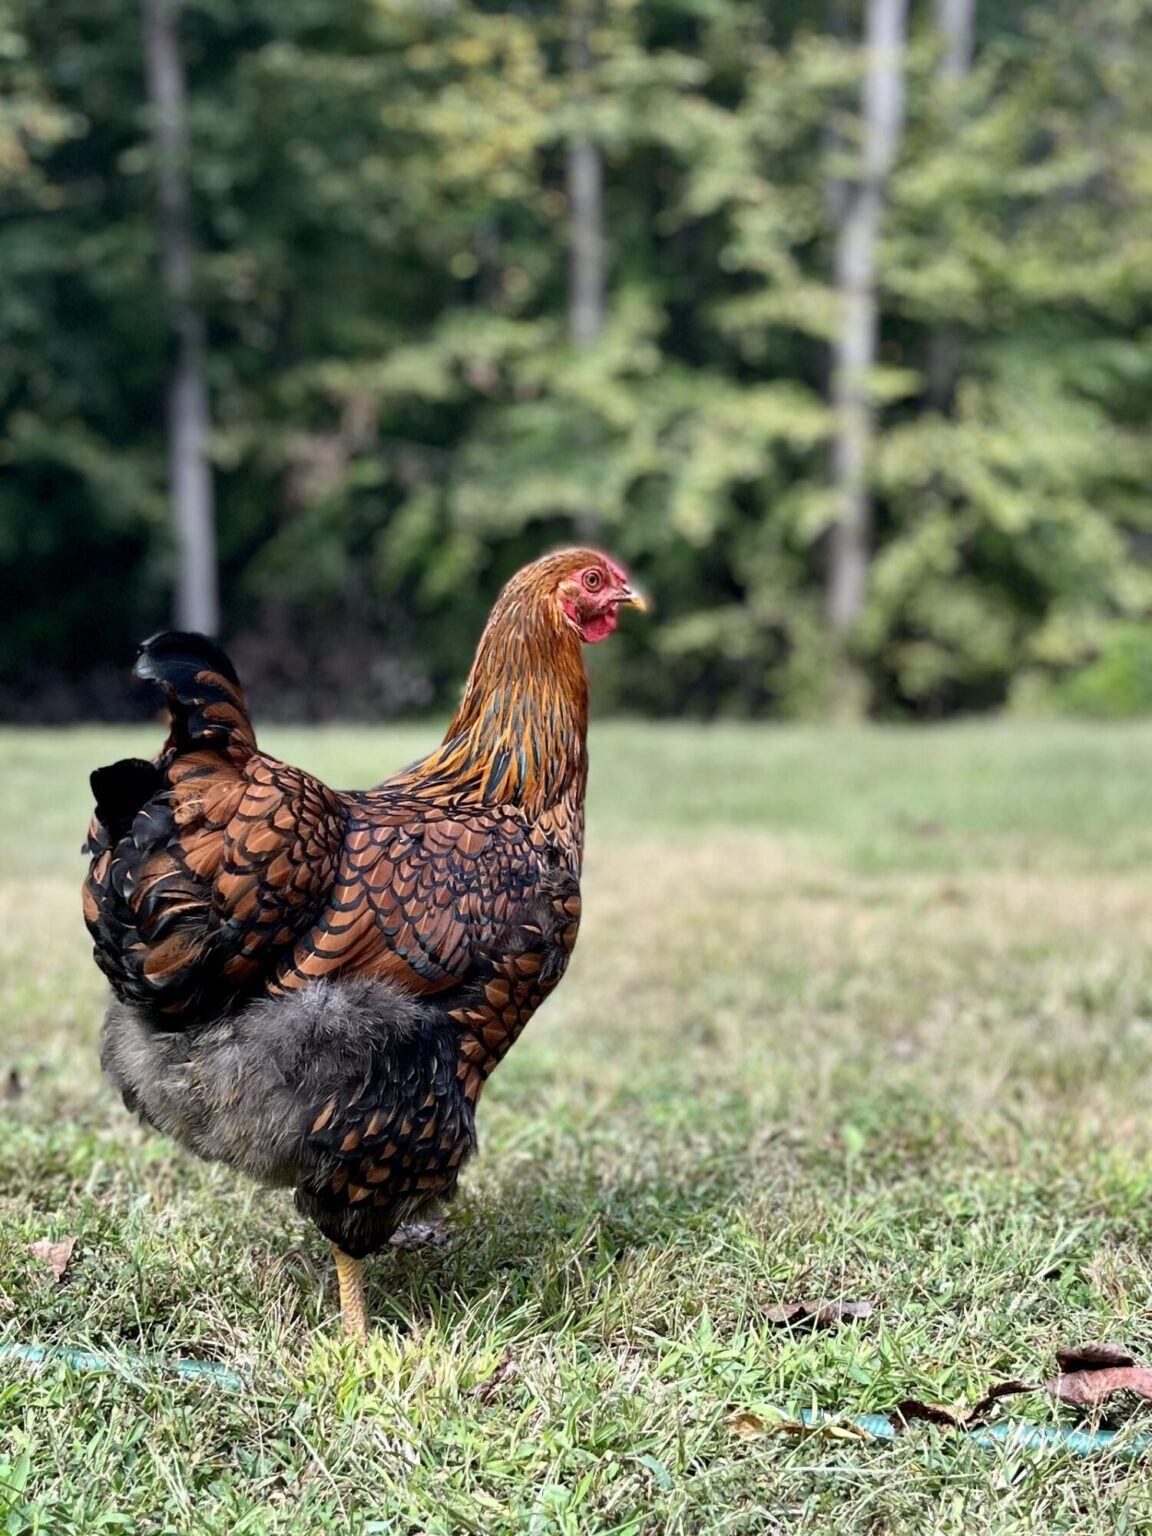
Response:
column 1017, row 524
column 955, row 23
column 586, row 295
column 387, row 202
column 585, row 190
column 882, row 112
column 189, row 474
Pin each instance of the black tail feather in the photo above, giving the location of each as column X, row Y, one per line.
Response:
column 174, row 657
column 202, row 689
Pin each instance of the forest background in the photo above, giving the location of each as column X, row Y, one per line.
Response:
column 832, row 320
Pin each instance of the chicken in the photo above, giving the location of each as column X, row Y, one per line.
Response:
column 314, row 986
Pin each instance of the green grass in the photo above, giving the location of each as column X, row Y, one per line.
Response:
column 859, row 1014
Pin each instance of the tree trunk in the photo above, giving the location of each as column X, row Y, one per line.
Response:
column 585, row 194
column 189, row 472
column 954, row 22
column 854, row 349
column 586, row 301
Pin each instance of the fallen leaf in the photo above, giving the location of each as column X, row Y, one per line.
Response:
column 1089, row 1373
column 928, row 828
column 919, row 826
column 1093, row 1386
column 54, row 1255
column 847, row 1431
column 746, row 1426
column 422, row 1234
column 817, row 1314
column 994, row 1394
column 785, row 1315
column 1092, row 1357
column 911, row 1409
column 485, row 1390
column 844, row 1312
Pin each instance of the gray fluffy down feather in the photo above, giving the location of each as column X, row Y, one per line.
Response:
column 242, row 1090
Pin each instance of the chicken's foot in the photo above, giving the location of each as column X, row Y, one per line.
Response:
column 350, row 1273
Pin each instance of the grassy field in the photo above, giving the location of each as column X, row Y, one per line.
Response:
column 863, row 1015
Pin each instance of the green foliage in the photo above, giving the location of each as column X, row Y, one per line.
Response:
column 400, row 417
column 1118, row 682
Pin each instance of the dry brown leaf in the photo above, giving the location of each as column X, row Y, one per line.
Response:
column 1002, row 1389
column 843, row 1431
column 746, row 1426
column 486, row 1389
column 1092, row 1357
column 55, row 1256
column 1086, row 1387
column 1090, row 1373
column 912, row 1409
column 817, row 1314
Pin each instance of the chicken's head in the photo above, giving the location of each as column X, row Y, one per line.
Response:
column 591, row 591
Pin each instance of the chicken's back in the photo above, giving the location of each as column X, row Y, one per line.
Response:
column 219, row 873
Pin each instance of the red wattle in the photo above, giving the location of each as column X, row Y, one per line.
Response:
column 598, row 626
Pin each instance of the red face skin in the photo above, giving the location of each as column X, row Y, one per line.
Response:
column 591, row 597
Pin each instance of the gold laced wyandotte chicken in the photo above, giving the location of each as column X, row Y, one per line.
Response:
column 313, row 986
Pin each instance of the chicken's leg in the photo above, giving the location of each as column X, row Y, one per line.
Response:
column 350, row 1273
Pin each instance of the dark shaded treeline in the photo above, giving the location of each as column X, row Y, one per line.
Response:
column 846, row 349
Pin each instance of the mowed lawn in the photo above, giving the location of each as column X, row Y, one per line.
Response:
column 854, row 1014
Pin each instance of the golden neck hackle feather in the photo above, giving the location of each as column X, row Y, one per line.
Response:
column 519, row 735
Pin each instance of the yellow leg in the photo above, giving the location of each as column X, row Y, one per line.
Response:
column 350, row 1273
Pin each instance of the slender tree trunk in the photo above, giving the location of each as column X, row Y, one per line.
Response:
column 586, row 288
column 189, row 472
column 585, row 194
column 855, row 345
column 954, row 22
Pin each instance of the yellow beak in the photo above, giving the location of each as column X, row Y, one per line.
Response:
column 633, row 599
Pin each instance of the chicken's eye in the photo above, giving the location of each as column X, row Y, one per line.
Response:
column 593, row 581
